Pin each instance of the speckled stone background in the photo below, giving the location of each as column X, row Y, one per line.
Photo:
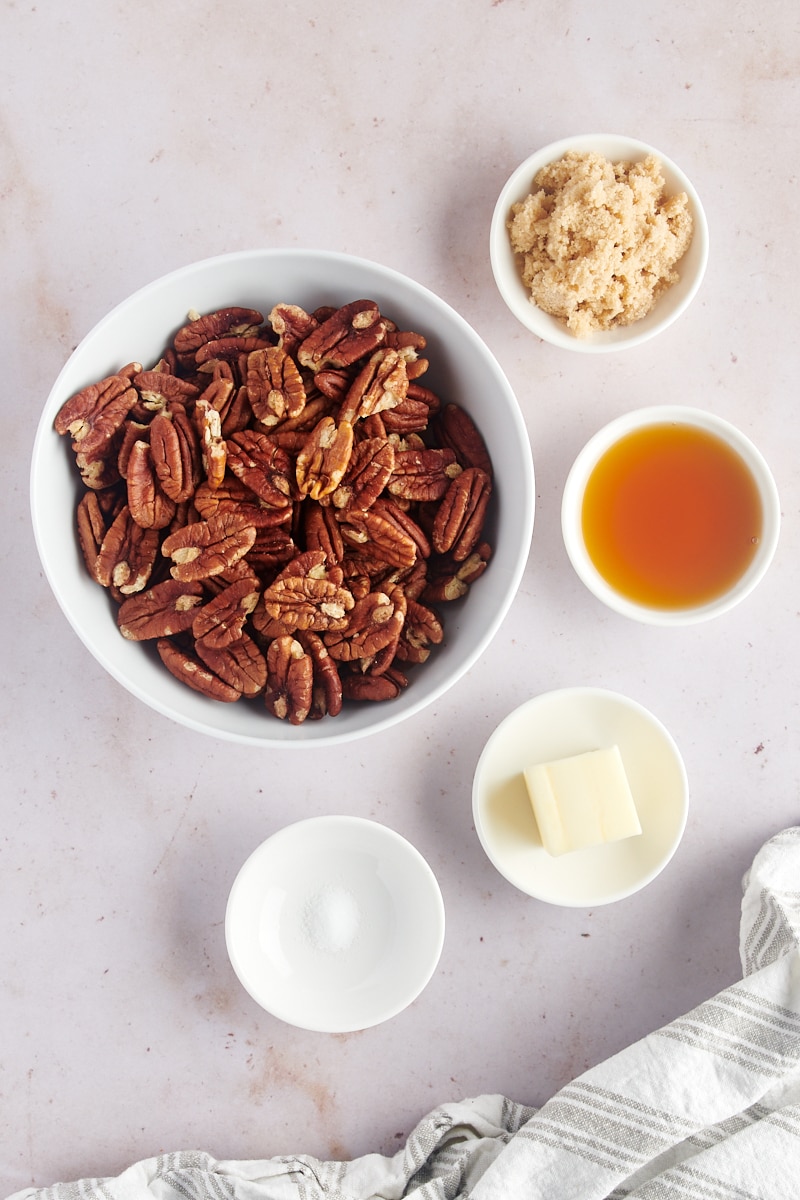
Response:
column 138, row 138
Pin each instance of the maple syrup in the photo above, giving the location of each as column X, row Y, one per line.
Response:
column 671, row 516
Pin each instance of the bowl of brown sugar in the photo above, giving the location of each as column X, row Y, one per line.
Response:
column 598, row 243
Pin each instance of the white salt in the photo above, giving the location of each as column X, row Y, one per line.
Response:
column 331, row 919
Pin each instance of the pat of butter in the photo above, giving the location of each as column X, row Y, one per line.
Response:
column 582, row 801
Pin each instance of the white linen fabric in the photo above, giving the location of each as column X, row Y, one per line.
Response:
column 706, row 1107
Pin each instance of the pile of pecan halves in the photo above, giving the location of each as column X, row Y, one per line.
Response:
column 280, row 505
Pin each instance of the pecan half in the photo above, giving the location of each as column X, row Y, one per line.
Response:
column 307, row 594
column 221, row 620
column 97, row 472
column 240, row 665
column 264, row 467
column 235, row 412
column 273, row 547
column 459, row 519
column 375, row 688
column 176, row 454
column 451, row 580
column 375, row 622
column 93, row 415
column 317, row 406
column 230, row 349
column 457, row 430
column 292, row 324
column 368, row 472
column 407, row 341
column 130, row 433
column 333, row 383
column 209, row 547
column 157, row 389
column 423, row 395
column 234, row 322
column 383, row 659
column 92, row 521
column 214, row 451
column 382, row 383
column 352, row 331
column 163, row 610
column 410, row 416
column 321, row 531
column 219, row 384
column 326, row 696
column 127, row 555
column 275, row 386
column 423, row 474
column 422, row 630
column 148, row 505
column 234, row 496
column 194, row 673
column 290, row 680
column 324, row 458
column 392, row 511
column 379, row 536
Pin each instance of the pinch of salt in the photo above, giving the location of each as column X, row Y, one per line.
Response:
column 331, row 919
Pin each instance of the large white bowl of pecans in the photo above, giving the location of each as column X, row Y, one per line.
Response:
column 284, row 497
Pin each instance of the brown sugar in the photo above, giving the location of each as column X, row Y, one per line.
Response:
column 598, row 242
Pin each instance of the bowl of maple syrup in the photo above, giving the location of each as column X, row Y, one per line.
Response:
column 670, row 515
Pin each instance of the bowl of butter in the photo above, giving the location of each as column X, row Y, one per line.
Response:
column 580, row 797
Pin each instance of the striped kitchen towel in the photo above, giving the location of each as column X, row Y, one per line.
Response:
column 706, row 1108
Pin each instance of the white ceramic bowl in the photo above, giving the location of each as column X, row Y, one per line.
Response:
column 462, row 369
column 572, row 508
column 557, row 725
column 506, row 271
column 335, row 924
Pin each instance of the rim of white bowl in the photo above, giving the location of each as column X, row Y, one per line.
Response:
column 322, row 733
column 619, row 148
column 575, row 486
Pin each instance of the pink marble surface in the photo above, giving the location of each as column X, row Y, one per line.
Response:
column 138, row 138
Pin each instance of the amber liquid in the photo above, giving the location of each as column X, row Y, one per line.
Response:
column 671, row 516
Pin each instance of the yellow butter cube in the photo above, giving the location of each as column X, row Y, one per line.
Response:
column 584, row 800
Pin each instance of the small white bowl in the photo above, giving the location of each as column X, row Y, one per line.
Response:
column 506, row 271
column 557, row 725
column 462, row 369
column 335, row 924
column 572, row 506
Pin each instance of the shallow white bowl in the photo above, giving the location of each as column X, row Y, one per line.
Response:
column 506, row 271
column 335, row 924
column 462, row 369
column 572, row 505
column 557, row 725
